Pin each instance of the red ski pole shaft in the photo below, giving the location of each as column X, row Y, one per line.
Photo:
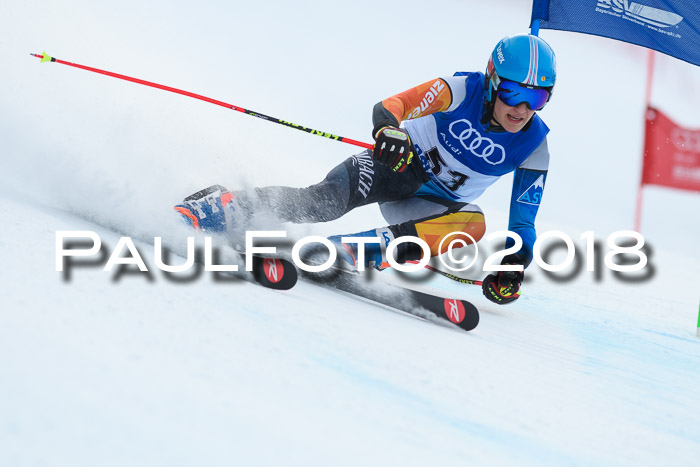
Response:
column 47, row 58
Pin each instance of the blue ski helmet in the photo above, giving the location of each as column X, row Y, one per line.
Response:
column 524, row 59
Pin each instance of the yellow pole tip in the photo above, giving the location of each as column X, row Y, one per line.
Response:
column 46, row 57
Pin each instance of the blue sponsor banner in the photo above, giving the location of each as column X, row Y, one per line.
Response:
column 669, row 26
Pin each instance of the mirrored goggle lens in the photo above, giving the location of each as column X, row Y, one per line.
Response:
column 512, row 94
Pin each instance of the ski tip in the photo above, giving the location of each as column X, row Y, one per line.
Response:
column 461, row 312
column 274, row 273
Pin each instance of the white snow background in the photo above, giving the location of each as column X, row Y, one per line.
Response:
column 105, row 371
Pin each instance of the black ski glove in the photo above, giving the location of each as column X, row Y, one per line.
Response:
column 392, row 148
column 504, row 286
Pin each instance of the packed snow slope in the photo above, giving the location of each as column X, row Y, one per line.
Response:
column 109, row 368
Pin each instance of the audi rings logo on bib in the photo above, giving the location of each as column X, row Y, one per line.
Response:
column 472, row 141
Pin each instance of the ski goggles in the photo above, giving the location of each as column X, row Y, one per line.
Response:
column 512, row 94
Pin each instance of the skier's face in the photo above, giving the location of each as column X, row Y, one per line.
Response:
column 512, row 119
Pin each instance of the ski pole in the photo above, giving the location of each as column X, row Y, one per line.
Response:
column 47, row 58
column 461, row 280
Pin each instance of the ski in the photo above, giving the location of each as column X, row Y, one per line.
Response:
column 274, row 273
column 268, row 270
column 459, row 312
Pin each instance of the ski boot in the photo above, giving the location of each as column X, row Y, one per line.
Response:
column 374, row 253
column 209, row 210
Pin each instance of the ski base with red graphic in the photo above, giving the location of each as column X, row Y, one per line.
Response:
column 459, row 312
column 274, row 273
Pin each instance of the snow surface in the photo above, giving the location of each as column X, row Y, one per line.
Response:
column 137, row 369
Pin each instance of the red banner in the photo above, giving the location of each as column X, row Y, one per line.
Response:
column 671, row 153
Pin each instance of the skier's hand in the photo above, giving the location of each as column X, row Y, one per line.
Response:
column 503, row 287
column 392, row 148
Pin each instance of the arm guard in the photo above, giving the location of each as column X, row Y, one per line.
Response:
column 525, row 198
column 425, row 99
column 528, row 186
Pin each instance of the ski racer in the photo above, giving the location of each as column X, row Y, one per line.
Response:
column 438, row 146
